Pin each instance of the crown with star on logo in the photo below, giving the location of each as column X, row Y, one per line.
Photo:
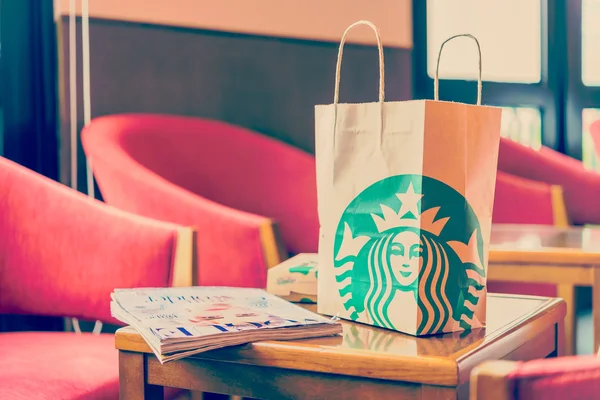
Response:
column 410, row 215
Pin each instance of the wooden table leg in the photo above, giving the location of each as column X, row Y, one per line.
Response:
column 132, row 379
column 567, row 292
column 596, row 307
column 560, row 339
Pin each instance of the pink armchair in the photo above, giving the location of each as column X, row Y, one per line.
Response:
column 523, row 201
column 581, row 187
column 572, row 378
column 62, row 254
column 229, row 182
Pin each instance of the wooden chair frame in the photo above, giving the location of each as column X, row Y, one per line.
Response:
column 273, row 248
column 489, row 381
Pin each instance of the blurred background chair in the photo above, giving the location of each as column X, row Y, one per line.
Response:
column 62, row 254
column 229, row 182
column 573, row 378
column 581, row 187
column 523, row 201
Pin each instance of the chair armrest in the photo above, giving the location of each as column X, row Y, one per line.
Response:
column 573, row 378
column 489, row 380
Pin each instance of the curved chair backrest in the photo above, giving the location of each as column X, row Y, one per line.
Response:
column 222, row 178
column 522, row 201
column 62, row 253
column 581, row 187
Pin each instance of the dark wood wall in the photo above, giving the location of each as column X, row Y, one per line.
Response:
column 267, row 84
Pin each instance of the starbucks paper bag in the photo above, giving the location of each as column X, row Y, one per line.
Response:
column 405, row 197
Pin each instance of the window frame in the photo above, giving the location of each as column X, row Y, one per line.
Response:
column 578, row 95
column 546, row 95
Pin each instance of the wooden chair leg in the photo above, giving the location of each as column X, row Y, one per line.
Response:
column 132, row 379
column 596, row 308
column 567, row 292
column 560, row 339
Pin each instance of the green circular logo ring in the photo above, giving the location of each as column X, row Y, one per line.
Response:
column 410, row 237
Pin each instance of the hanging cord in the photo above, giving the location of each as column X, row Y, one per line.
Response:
column 87, row 104
column 87, row 109
column 85, row 33
column 73, row 90
column 73, row 107
column 437, row 68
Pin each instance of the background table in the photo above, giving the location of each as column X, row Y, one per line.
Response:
column 363, row 363
column 567, row 257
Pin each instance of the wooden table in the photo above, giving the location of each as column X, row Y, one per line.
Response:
column 566, row 257
column 363, row 363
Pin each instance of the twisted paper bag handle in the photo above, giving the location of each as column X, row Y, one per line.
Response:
column 338, row 67
column 437, row 68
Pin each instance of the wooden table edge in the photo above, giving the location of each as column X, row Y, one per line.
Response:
column 545, row 255
column 428, row 370
column 547, row 315
column 549, row 304
column 267, row 354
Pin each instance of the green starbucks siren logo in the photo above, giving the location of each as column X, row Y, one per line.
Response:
column 410, row 239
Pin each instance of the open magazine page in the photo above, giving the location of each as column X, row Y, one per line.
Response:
column 194, row 312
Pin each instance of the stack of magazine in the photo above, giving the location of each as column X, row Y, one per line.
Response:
column 179, row 322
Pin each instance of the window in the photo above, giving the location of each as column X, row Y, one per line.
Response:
column 582, row 99
column 522, row 124
column 589, row 157
column 590, row 37
column 513, row 56
column 541, row 63
column 517, row 40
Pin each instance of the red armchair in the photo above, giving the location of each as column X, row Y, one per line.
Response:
column 572, row 378
column 581, row 187
column 227, row 181
column 522, row 201
column 62, row 254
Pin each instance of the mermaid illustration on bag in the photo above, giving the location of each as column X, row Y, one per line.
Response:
column 404, row 259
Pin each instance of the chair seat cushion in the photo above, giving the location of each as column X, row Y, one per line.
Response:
column 58, row 365
column 572, row 378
